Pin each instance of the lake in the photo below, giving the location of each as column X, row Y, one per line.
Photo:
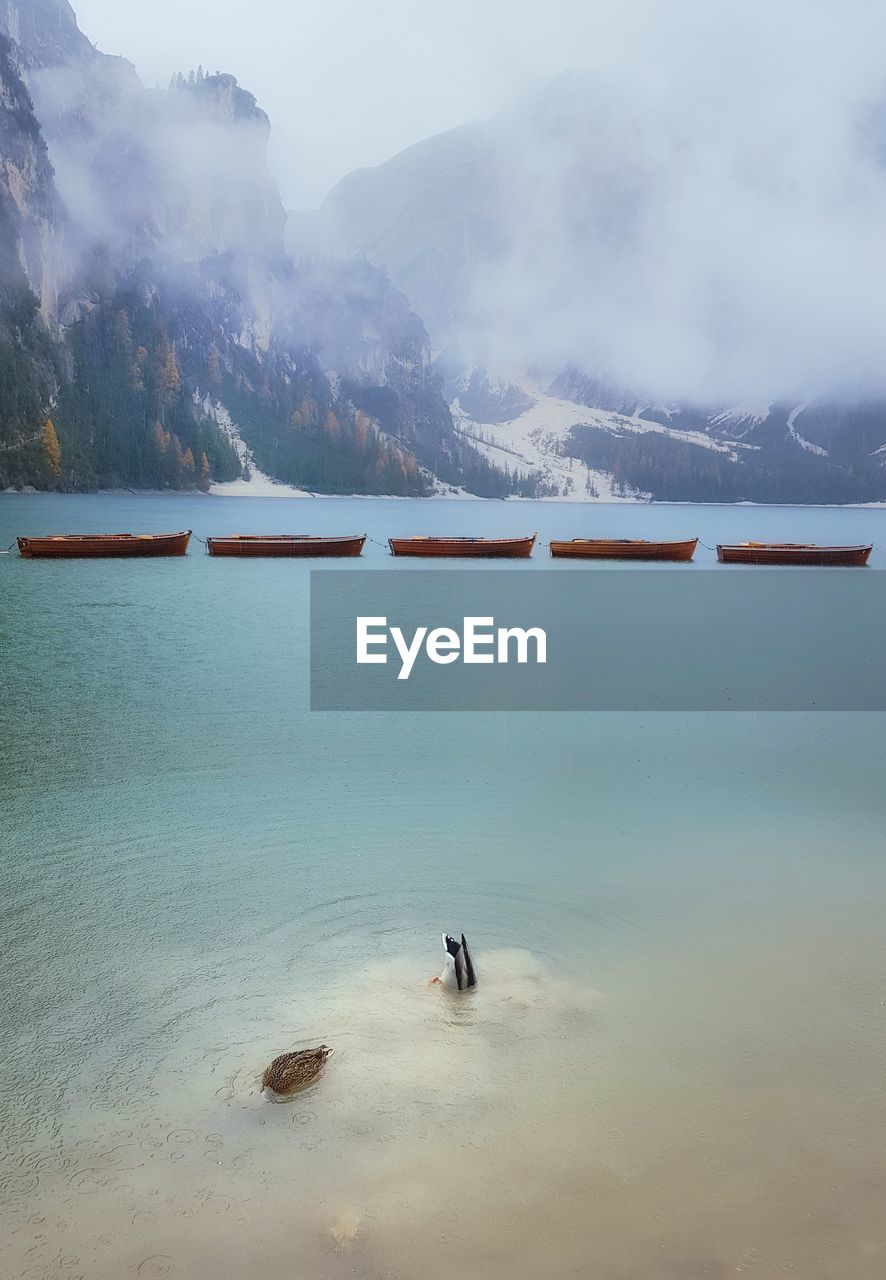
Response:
column 671, row 1067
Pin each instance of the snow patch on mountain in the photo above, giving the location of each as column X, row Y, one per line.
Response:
column 535, row 440
column 795, row 434
column 747, row 415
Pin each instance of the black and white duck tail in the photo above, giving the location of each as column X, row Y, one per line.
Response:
column 459, row 968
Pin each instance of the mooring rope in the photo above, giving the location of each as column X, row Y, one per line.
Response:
column 383, row 545
column 705, row 545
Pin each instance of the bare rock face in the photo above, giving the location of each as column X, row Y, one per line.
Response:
column 28, row 277
column 45, row 32
column 27, row 191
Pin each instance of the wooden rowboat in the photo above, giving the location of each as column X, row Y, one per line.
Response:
column 791, row 553
column 509, row 548
column 623, row 549
column 93, row 545
column 285, row 544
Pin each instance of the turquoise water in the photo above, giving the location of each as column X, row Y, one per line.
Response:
column 672, row 1066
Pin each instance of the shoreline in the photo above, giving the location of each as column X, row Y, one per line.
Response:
column 301, row 494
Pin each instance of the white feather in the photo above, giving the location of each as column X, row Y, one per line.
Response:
column 449, row 977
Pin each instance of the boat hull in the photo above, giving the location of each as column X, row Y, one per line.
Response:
column 792, row 554
column 285, row 545
column 104, row 545
column 464, row 548
column 617, row 549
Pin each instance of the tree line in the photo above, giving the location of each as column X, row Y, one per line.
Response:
column 673, row 470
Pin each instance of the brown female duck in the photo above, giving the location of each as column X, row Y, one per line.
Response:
column 291, row 1071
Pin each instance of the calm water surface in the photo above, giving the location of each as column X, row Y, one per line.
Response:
column 672, row 1067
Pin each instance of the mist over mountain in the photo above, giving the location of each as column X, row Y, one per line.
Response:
column 698, row 215
column 154, row 331
column 660, row 276
column 688, row 231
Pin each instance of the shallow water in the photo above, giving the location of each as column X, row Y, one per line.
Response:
column 673, row 1064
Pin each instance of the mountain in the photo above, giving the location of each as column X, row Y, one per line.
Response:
column 580, row 298
column 581, row 439
column 616, row 287
column 429, row 216
column 154, row 331
column 504, row 234
column 816, row 451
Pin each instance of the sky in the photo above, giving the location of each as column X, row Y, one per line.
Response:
column 349, row 84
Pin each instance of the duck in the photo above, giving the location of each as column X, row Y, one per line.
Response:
column 458, row 968
column 296, row 1070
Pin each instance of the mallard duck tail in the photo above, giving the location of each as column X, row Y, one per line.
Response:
column 458, row 967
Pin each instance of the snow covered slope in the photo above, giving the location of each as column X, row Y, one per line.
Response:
column 253, row 483
column 536, row 440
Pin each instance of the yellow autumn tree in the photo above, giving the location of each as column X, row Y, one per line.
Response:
column 171, row 375
column 204, row 472
column 167, row 372
column 52, row 450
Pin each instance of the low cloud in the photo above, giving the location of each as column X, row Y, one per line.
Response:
column 701, row 213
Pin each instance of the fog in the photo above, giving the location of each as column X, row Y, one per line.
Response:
column 348, row 84
column 708, row 220
column 696, row 211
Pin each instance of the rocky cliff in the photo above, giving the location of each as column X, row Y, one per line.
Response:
column 29, row 366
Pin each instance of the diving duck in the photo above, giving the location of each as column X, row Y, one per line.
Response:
column 458, row 968
column 291, row 1071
